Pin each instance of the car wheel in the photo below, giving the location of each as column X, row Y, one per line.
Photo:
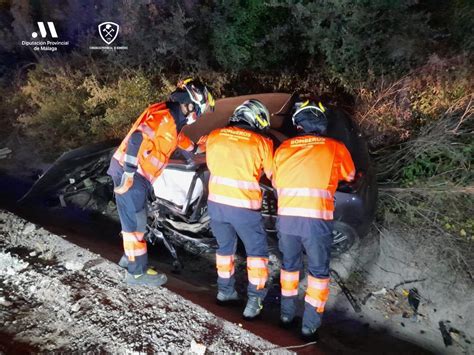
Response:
column 344, row 237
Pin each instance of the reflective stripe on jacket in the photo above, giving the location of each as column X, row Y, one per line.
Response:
column 307, row 170
column 160, row 139
column 236, row 158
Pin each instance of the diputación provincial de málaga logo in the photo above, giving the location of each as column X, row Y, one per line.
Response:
column 45, row 45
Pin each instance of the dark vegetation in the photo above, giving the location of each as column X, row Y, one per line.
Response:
column 403, row 69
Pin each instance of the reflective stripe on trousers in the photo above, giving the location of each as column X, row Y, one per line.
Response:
column 257, row 271
column 225, row 266
column 134, row 244
column 289, row 283
column 317, row 293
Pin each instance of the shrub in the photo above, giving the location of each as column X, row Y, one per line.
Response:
column 68, row 109
column 248, row 35
column 56, row 112
column 114, row 106
column 440, row 156
column 462, row 24
column 394, row 111
column 11, row 104
column 361, row 40
column 159, row 38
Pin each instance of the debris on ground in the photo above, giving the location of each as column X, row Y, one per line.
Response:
column 390, row 302
column 196, row 349
column 381, row 292
column 452, row 335
column 402, row 289
column 350, row 297
column 414, row 301
column 447, row 339
column 5, row 153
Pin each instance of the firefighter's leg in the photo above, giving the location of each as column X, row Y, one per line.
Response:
column 131, row 207
column 318, row 250
column 249, row 227
column 291, row 248
column 227, row 242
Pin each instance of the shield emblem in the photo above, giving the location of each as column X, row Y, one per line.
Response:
column 108, row 31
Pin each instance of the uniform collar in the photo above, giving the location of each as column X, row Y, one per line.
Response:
column 300, row 134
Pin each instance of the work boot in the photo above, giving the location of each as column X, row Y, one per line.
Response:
column 309, row 334
column 287, row 311
column 150, row 278
column 286, row 321
column 311, row 322
column 123, row 262
column 253, row 308
column 222, row 297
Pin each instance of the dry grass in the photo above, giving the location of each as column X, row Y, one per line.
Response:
column 427, row 216
column 393, row 112
column 425, row 122
column 440, row 156
column 437, row 205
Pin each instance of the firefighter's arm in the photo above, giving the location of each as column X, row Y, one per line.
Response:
column 130, row 162
column 185, row 143
column 268, row 158
column 347, row 164
column 201, row 144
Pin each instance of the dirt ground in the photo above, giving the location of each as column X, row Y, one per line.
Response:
column 389, row 270
column 55, row 296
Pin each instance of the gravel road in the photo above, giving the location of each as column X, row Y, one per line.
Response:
column 56, row 296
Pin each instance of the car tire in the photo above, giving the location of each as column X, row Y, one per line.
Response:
column 344, row 238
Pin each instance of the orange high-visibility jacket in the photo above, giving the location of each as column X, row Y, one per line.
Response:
column 160, row 139
column 236, row 157
column 307, row 170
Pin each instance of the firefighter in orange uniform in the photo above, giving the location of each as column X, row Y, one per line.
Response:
column 236, row 157
column 307, row 169
column 140, row 159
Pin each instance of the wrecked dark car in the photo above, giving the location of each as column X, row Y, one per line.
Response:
column 177, row 213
